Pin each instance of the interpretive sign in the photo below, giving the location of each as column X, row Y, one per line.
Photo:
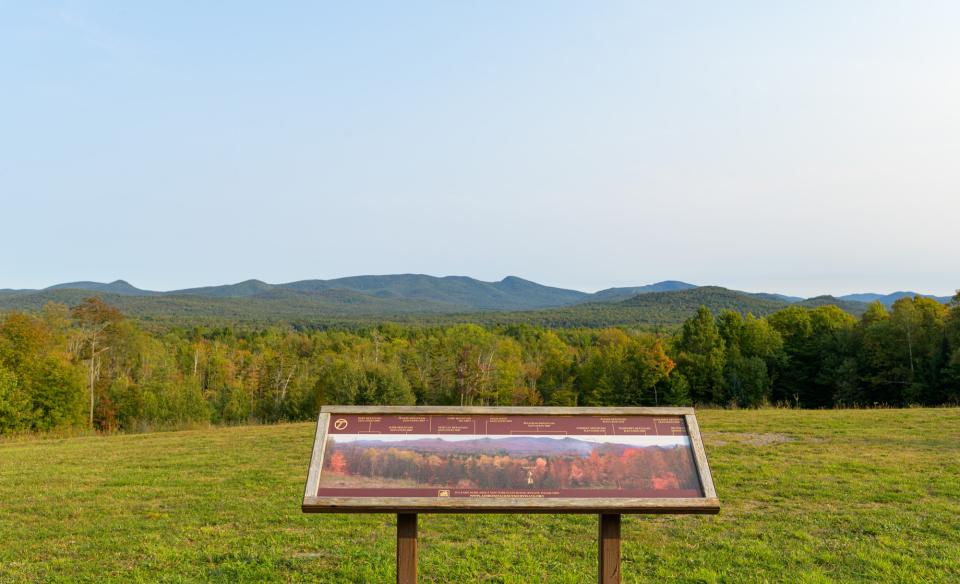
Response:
column 486, row 459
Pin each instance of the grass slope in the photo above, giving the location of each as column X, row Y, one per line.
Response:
column 808, row 496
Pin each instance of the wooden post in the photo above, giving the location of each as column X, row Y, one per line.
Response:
column 608, row 552
column 406, row 548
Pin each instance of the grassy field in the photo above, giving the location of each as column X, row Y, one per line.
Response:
column 808, row 496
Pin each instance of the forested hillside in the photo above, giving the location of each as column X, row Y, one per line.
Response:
column 662, row 310
column 273, row 306
column 378, row 294
column 630, row 291
column 90, row 364
column 359, row 301
column 258, row 304
column 889, row 299
column 852, row 306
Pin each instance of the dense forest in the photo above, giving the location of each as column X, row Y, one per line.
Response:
column 91, row 366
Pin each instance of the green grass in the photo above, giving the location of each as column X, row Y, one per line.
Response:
column 808, row 496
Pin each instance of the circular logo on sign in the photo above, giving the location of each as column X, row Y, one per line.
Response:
column 340, row 424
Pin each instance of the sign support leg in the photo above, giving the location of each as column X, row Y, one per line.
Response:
column 406, row 548
column 608, row 544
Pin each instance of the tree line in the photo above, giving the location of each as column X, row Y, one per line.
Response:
column 91, row 366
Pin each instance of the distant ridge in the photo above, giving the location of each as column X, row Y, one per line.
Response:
column 424, row 298
column 515, row 445
column 459, row 292
column 779, row 297
column 713, row 297
column 889, row 299
column 238, row 290
column 611, row 294
column 403, row 292
column 116, row 287
column 510, row 293
column 852, row 306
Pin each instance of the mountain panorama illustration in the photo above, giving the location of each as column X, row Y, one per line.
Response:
column 515, row 445
column 509, row 462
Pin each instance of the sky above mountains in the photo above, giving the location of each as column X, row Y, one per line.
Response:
column 801, row 149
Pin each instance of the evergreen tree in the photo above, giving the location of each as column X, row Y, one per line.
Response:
column 701, row 357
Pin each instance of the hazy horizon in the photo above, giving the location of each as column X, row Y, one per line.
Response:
column 149, row 289
column 636, row 284
column 802, row 149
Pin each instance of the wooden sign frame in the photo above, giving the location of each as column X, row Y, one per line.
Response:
column 708, row 503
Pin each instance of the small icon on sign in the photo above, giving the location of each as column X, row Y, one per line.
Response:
column 340, row 424
column 443, row 493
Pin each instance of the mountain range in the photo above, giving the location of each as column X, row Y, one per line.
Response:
column 511, row 299
column 513, row 445
column 458, row 292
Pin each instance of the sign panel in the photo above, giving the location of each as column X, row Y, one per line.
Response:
column 386, row 459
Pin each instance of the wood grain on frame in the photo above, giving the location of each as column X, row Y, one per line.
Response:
column 700, row 457
column 506, row 505
column 316, row 457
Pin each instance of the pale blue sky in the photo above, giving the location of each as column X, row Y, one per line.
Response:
column 798, row 147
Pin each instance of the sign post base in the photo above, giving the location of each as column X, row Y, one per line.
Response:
column 406, row 548
column 608, row 549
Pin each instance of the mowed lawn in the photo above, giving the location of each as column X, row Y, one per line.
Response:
column 808, row 496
